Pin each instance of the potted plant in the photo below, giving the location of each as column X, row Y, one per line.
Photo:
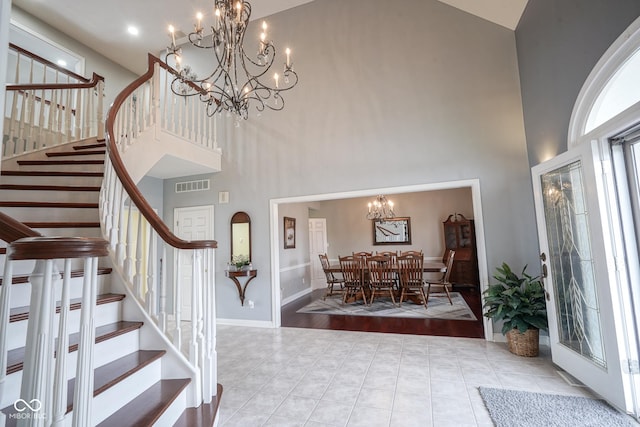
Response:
column 520, row 303
column 239, row 261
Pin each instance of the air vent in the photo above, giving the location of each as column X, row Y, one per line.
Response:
column 189, row 186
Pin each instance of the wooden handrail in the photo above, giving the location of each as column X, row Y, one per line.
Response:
column 47, row 63
column 12, row 230
column 95, row 79
column 132, row 190
column 58, row 248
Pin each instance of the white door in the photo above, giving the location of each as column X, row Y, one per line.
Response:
column 585, row 332
column 317, row 245
column 193, row 223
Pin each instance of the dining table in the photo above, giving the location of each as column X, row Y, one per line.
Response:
column 427, row 267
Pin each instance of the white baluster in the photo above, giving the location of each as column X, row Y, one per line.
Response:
column 177, row 300
column 123, row 242
column 41, row 119
column 209, row 368
column 77, row 118
column 37, row 372
column 128, row 262
column 152, row 281
column 100, row 108
column 5, row 311
column 162, row 319
column 62, row 351
column 137, row 279
column 83, row 391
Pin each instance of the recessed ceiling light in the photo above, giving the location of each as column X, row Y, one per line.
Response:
column 62, row 62
column 133, row 30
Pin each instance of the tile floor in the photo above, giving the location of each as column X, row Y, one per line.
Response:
column 320, row 378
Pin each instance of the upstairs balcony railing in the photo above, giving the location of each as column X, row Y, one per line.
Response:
column 159, row 267
column 47, row 105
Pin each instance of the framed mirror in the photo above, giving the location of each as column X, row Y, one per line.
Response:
column 241, row 235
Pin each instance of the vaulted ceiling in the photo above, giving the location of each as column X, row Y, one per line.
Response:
column 102, row 25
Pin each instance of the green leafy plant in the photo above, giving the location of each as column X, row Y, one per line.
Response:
column 240, row 260
column 518, row 301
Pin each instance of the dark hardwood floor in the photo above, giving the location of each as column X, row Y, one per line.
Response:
column 396, row 325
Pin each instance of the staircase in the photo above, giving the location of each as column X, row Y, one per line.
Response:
column 56, row 192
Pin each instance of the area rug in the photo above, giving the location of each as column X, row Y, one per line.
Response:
column 437, row 308
column 509, row 408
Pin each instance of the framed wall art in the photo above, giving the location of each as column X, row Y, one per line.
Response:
column 289, row 233
column 393, row 231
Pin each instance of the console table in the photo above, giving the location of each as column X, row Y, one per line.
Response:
column 235, row 275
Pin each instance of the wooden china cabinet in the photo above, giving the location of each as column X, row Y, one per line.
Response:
column 460, row 236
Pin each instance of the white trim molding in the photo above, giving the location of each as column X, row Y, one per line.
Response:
column 274, row 229
column 297, row 295
column 623, row 48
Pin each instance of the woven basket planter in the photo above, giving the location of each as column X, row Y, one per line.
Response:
column 524, row 344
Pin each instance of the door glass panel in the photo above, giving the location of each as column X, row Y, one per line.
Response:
column 572, row 262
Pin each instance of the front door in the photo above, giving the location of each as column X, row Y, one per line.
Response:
column 585, row 332
column 192, row 223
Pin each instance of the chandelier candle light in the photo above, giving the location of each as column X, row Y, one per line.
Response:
column 381, row 208
column 238, row 80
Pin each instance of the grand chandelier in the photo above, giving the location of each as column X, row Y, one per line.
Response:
column 380, row 208
column 239, row 80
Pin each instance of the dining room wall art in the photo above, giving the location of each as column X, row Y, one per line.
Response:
column 393, row 231
column 289, row 233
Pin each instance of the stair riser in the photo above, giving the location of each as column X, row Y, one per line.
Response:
column 104, row 314
column 173, row 412
column 104, row 352
column 112, row 399
column 52, row 180
column 64, row 167
column 21, row 292
column 37, row 214
column 50, row 196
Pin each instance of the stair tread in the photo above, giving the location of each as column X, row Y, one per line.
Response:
column 202, row 416
column 90, row 146
column 74, row 273
column 75, row 205
column 50, row 173
column 76, row 152
column 24, row 187
column 18, row 314
column 103, row 333
column 105, row 377
column 147, row 408
column 60, row 162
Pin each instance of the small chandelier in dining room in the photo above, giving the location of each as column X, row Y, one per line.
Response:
column 381, row 208
column 239, row 80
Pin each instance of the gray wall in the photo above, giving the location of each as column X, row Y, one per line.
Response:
column 115, row 76
column 559, row 42
column 295, row 273
column 422, row 93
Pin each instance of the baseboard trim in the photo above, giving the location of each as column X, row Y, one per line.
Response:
column 295, row 296
column 244, row 322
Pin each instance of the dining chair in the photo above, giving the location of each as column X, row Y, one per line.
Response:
column 332, row 279
column 411, row 277
column 364, row 255
column 416, row 253
column 444, row 281
column 382, row 276
column 353, row 273
column 391, row 254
